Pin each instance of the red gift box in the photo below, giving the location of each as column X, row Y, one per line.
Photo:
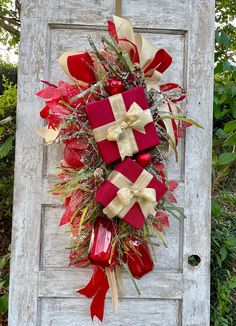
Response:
column 122, row 124
column 138, row 258
column 130, row 192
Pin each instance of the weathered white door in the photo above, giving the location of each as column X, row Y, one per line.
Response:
column 42, row 290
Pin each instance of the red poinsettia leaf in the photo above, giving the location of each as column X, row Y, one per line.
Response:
column 44, row 113
column 172, row 198
column 48, row 83
column 67, row 201
column 163, row 218
column 172, row 185
column 66, row 216
column 50, row 93
column 57, row 108
column 75, row 200
column 53, row 121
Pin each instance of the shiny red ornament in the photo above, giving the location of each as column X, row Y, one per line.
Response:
column 138, row 258
column 101, row 250
column 114, row 86
column 72, row 157
column 144, row 159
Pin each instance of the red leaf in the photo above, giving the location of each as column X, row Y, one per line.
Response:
column 186, row 124
column 172, row 185
column 57, row 108
column 158, row 227
column 50, row 93
column 44, row 113
column 159, row 166
column 48, row 83
column 163, row 219
column 172, row 198
column 75, row 200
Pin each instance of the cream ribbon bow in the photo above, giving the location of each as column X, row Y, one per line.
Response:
column 146, row 50
column 130, row 193
column 121, row 130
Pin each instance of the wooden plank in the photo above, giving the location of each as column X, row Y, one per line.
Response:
column 132, row 312
column 28, row 181
column 164, row 285
column 196, row 298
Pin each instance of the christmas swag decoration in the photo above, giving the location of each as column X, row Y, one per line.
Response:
column 117, row 123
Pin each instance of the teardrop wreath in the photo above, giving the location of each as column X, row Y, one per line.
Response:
column 117, row 123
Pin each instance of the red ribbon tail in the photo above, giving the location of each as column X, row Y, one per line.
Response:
column 94, row 284
column 97, row 305
column 161, row 61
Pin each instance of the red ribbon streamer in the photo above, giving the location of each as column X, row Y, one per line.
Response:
column 97, row 287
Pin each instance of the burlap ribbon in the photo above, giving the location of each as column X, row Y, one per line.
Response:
column 130, row 193
column 121, row 129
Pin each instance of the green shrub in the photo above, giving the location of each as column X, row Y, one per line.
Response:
column 8, row 70
column 7, row 137
column 223, row 256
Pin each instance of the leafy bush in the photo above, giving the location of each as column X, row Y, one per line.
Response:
column 224, row 131
column 9, row 71
column 223, row 257
column 7, row 136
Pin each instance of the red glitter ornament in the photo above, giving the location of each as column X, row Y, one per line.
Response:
column 144, row 159
column 101, row 249
column 138, row 258
column 115, row 86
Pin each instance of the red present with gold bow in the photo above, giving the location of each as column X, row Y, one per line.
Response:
column 130, row 192
column 122, row 124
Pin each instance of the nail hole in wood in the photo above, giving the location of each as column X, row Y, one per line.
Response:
column 194, row 260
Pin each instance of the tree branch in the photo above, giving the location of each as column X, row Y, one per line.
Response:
column 12, row 30
column 14, row 21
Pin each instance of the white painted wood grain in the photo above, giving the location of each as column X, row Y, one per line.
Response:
column 74, row 312
column 41, row 287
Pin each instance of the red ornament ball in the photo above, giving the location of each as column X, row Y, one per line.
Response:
column 72, row 157
column 115, row 86
column 144, row 159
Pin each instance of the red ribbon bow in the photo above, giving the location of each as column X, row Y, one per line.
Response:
column 97, row 288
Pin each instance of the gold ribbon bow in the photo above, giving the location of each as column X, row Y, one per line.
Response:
column 121, row 130
column 130, row 193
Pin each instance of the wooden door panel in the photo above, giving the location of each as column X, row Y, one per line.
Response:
column 55, row 312
column 54, row 240
column 42, row 288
